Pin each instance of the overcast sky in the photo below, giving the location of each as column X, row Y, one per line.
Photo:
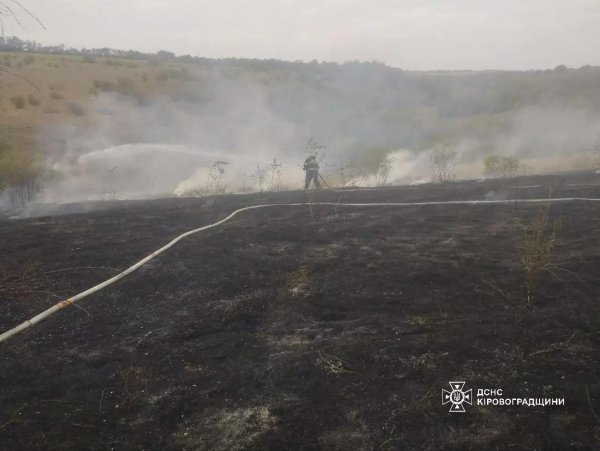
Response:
column 410, row 34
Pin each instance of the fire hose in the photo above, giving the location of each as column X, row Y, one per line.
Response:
column 84, row 294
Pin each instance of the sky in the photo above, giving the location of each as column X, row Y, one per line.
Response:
column 409, row 34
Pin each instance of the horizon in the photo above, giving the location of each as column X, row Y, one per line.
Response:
column 69, row 48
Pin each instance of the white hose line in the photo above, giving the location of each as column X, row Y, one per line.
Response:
column 61, row 305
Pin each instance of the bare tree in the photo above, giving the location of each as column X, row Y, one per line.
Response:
column 314, row 148
column 14, row 10
column 215, row 178
column 275, row 176
column 443, row 164
column 260, row 175
column 383, row 172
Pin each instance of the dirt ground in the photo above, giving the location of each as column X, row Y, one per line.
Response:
column 286, row 330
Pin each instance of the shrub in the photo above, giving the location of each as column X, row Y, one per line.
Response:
column 383, row 172
column 113, row 63
column 134, row 381
column 186, row 96
column 125, row 87
column 215, row 178
column 500, row 166
column 56, row 95
column 105, row 111
column 20, row 176
column 367, row 163
column 88, row 59
column 105, row 86
column 76, row 109
column 537, row 249
column 29, row 59
column 182, row 73
column 443, row 164
column 18, row 102
column 33, row 100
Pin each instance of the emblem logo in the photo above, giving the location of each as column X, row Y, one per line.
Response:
column 457, row 397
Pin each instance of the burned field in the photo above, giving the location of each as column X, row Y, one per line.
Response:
column 284, row 329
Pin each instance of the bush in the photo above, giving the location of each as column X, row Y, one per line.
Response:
column 113, row 63
column 33, row 100
column 186, row 96
column 537, row 249
column 56, row 95
column 499, row 166
column 29, row 59
column 383, row 172
column 88, row 59
column 443, row 165
column 372, row 157
column 125, row 87
column 182, row 73
column 105, row 111
column 20, row 176
column 162, row 76
column 76, row 109
column 18, row 102
column 105, row 86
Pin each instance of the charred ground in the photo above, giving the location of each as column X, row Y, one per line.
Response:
column 285, row 330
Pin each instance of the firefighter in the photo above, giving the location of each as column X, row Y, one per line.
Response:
column 311, row 167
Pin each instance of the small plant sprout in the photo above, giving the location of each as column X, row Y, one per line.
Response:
column 133, row 385
column 332, row 364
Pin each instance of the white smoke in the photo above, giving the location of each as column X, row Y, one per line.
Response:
column 167, row 146
column 133, row 171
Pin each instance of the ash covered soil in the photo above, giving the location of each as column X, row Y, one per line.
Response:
column 286, row 330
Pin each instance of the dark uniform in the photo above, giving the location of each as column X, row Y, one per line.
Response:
column 311, row 166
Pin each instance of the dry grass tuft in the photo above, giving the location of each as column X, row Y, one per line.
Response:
column 537, row 249
column 133, row 385
column 332, row 364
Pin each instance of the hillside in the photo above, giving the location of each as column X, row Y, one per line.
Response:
column 348, row 107
column 105, row 127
